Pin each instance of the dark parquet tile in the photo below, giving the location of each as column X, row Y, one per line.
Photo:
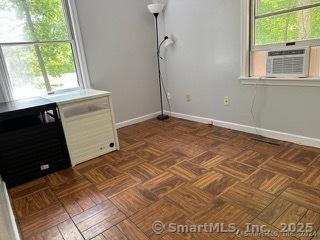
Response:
column 249, row 199
column 235, row 169
column 163, row 184
column 271, row 213
column 227, row 150
column 187, row 151
column 268, row 181
column 62, row 177
column 242, row 141
column 71, row 186
column 206, row 143
column 133, row 200
column 43, row 220
column 208, row 159
column 101, row 174
column 28, row 188
column 215, row 183
column 169, row 159
column 117, row 184
column 298, row 156
column 189, row 199
column 131, row 231
column 98, row 219
column 284, row 168
column 268, row 149
column 251, row 158
column 144, row 218
column 80, row 201
column 316, row 162
column 34, row 202
column 188, row 171
column 303, row 195
column 311, row 177
column 176, row 171
column 144, row 171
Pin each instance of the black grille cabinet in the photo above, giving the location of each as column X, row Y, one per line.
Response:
column 32, row 142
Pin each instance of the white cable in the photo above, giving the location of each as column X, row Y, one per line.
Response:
column 166, row 94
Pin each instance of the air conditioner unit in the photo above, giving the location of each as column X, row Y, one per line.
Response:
column 288, row 63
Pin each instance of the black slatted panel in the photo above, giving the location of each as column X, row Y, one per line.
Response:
column 27, row 142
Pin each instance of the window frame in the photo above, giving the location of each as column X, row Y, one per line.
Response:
column 245, row 57
column 268, row 47
column 75, row 41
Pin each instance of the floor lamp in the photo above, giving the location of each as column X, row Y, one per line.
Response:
column 156, row 9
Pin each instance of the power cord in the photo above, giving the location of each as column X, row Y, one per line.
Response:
column 161, row 78
column 166, row 93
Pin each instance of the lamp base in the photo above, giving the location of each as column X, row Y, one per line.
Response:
column 163, row 117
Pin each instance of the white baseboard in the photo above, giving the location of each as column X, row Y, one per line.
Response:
column 136, row 120
column 298, row 139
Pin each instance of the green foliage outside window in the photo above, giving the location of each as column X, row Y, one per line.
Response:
column 40, row 20
column 287, row 27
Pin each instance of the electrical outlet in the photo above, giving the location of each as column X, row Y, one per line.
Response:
column 226, row 101
column 188, row 98
column 44, row 167
column 169, row 95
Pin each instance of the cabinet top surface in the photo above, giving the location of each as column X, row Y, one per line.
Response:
column 76, row 96
column 23, row 104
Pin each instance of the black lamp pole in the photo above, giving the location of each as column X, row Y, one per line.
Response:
column 163, row 116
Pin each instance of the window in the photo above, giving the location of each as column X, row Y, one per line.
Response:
column 283, row 21
column 271, row 25
column 37, row 47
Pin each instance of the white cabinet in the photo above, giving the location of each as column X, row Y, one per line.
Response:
column 88, row 123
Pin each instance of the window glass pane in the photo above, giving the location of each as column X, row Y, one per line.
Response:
column 269, row 6
column 34, row 70
column 294, row 26
column 60, row 66
column 32, row 20
column 24, row 71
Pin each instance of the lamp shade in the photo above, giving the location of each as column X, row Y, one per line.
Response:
column 155, row 8
column 168, row 43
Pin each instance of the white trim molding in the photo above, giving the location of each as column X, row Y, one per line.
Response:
column 298, row 139
column 136, row 120
column 74, row 21
column 300, row 82
column 245, row 38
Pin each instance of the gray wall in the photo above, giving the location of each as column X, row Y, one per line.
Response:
column 206, row 64
column 1, row 90
column 119, row 43
column 1, row 97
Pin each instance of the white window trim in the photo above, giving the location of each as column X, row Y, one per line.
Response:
column 300, row 82
column 245, row 38
column 298, row 44
column 74, row 21
column 77, row 44
column 245, row 58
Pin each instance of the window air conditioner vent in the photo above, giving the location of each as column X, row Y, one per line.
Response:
column 288, row 63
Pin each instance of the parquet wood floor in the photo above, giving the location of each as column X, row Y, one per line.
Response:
column 175, row 171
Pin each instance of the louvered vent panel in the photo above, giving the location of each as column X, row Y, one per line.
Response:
column 288, row 63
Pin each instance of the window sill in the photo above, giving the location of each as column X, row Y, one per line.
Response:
column 302, row 82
